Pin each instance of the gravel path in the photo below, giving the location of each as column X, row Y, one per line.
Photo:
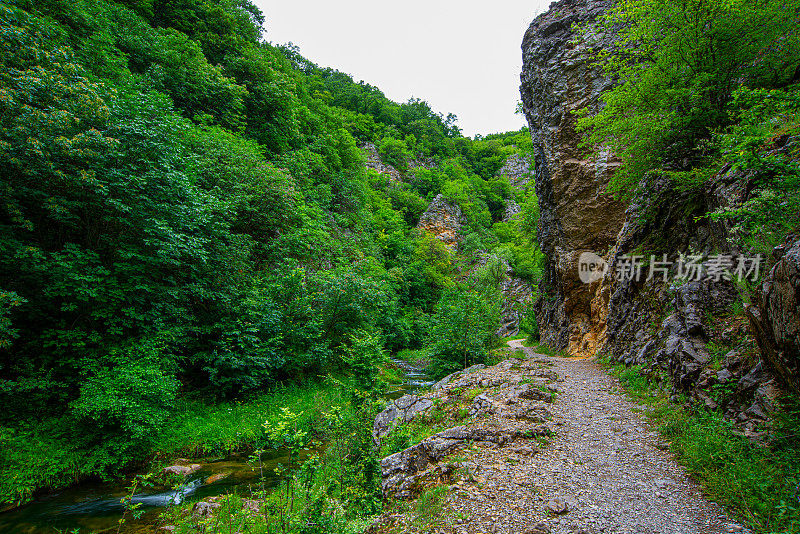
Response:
column 606, row 464
column 603, row 469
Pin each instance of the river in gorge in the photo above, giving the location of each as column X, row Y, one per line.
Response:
column 95, row 507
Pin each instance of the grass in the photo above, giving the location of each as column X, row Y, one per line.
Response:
column 499, row 355
column 758, row 482
column 46, row 456
column 335, row 490
column 409, row 434
column 198, row 428
column 428, row 510
column 470, row 395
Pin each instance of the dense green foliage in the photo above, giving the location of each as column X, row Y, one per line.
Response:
column 186, row 220
column 679, row 63
column 705, row 84
column 464, row 322
column 764, row 143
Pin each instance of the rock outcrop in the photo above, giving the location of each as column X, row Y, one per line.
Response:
column 372, row 160
column 512, row 404
column 405, row 472
column 400, row 411
column 443, row 220
column 518, row 169
column 682, row 330
column 517, row 296
column 575, row 215
column 776, row 318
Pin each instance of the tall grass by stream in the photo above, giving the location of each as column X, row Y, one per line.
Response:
column 46, row 456
column 200, row 429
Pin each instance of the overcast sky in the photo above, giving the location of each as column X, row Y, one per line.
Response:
column 460, row 58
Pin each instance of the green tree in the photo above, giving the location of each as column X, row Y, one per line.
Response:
column 394, row 152
column 678, row 64
column 462, row 327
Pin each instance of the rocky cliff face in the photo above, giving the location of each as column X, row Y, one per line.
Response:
column 518, row 169
column 689, row 332
column 372, row 160
column 775, row 318
column 575, row 215
column 443, row 220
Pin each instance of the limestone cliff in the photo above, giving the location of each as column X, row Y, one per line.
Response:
column 575, row 215
column 443, row 220
column 689, row 332
column 518, row 169
column 372, row 160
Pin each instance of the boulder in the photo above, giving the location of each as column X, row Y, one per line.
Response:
column 455, row 376
column 400, row 470
column 204, row 509
column 400, row 411
column 183, row 470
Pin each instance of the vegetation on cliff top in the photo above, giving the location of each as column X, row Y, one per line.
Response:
column 706, row 84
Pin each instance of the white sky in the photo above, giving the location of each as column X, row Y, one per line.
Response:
column 460, row 57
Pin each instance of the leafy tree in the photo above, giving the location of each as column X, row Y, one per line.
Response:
column 128, row 404
column 394, row 152
column 462, row 327
column 363, row 355
column 763, row 143
column 678, row 64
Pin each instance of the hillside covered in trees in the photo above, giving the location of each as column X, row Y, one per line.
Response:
column 187, row 223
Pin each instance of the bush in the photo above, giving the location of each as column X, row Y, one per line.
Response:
column 394, row 152
column 128, row 403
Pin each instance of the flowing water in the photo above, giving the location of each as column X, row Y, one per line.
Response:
column 95, row 506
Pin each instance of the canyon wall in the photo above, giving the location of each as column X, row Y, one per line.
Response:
column 575, row 215
column 697, row 333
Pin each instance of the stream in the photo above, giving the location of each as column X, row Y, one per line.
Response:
column 94, row 507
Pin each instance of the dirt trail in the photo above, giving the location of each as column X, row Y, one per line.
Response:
column 609, row 465
column 604, row 470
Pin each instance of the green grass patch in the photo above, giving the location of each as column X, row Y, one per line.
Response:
column 470, row 395
column 48, row 456
column 407, row 435
column 198, row 428
column 759, row 482
column 428, row 510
